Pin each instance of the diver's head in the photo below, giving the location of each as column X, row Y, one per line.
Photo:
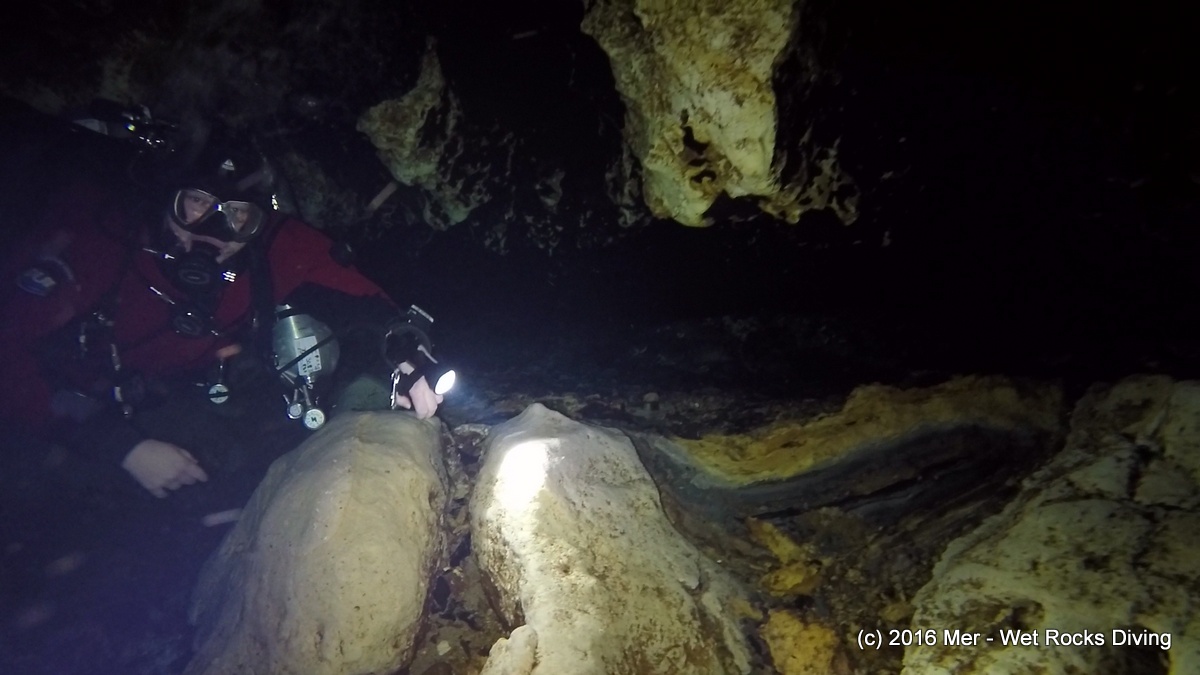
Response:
column 210, row 219
column 198, row 216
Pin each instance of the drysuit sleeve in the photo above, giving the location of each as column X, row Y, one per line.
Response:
column 301, row 255
column 357, row 310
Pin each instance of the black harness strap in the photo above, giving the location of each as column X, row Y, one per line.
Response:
column 262, row 291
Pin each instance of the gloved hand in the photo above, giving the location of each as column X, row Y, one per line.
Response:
column 160, row 466
column 420, row 399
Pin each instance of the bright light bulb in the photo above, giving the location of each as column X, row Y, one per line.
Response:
column 445, row 383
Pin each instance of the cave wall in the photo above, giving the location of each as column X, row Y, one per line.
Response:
column 1049, row 148
column 697, row 79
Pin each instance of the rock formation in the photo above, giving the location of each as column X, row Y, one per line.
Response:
column 701, row 113
column 568, row 527
column 416, row 138
column 1100, row 547
column 327, row 572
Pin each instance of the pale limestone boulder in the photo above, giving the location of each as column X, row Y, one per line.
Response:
column 1104, row 538
column 568, row 527
column 327, row 571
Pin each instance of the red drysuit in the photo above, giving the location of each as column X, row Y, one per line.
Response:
column 94, row 237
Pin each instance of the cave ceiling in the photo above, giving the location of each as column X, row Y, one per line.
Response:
column 970, row 134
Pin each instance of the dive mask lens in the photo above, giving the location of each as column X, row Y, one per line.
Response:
column 244, row 219
column 192, row 207
column 202, row 213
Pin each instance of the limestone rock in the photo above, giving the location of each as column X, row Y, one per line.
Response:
column 873, row 416
column 515, row 655
column 416, row 139
column 799, row 567
column 327, row 571
column 800, row 647
column 568, row 527
column 1102, row 541
column 696, row 78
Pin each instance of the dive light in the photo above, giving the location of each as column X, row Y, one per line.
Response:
column 408, row 342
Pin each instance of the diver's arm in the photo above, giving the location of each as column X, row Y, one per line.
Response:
column 361, row 324
column 300, row 254
column 308, row 278
column 156, row 465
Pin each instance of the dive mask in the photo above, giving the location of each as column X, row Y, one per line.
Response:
column 202, row 213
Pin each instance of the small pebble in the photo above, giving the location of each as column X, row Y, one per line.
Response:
column 221, row 517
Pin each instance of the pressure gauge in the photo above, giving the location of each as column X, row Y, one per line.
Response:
column 218, row 393
column 314, row 418
column 295, row 410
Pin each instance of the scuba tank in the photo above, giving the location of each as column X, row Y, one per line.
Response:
column 306, row 354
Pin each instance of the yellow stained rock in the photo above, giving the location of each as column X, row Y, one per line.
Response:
column 1103, row 539
column 800, row 647
column 895, row 612
column 799, row 571
column 774, row 540
column 696, row 77
column 875, row 414
column 798, row 578
column 395, row 127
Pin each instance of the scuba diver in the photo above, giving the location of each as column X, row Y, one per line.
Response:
column 114, row 307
